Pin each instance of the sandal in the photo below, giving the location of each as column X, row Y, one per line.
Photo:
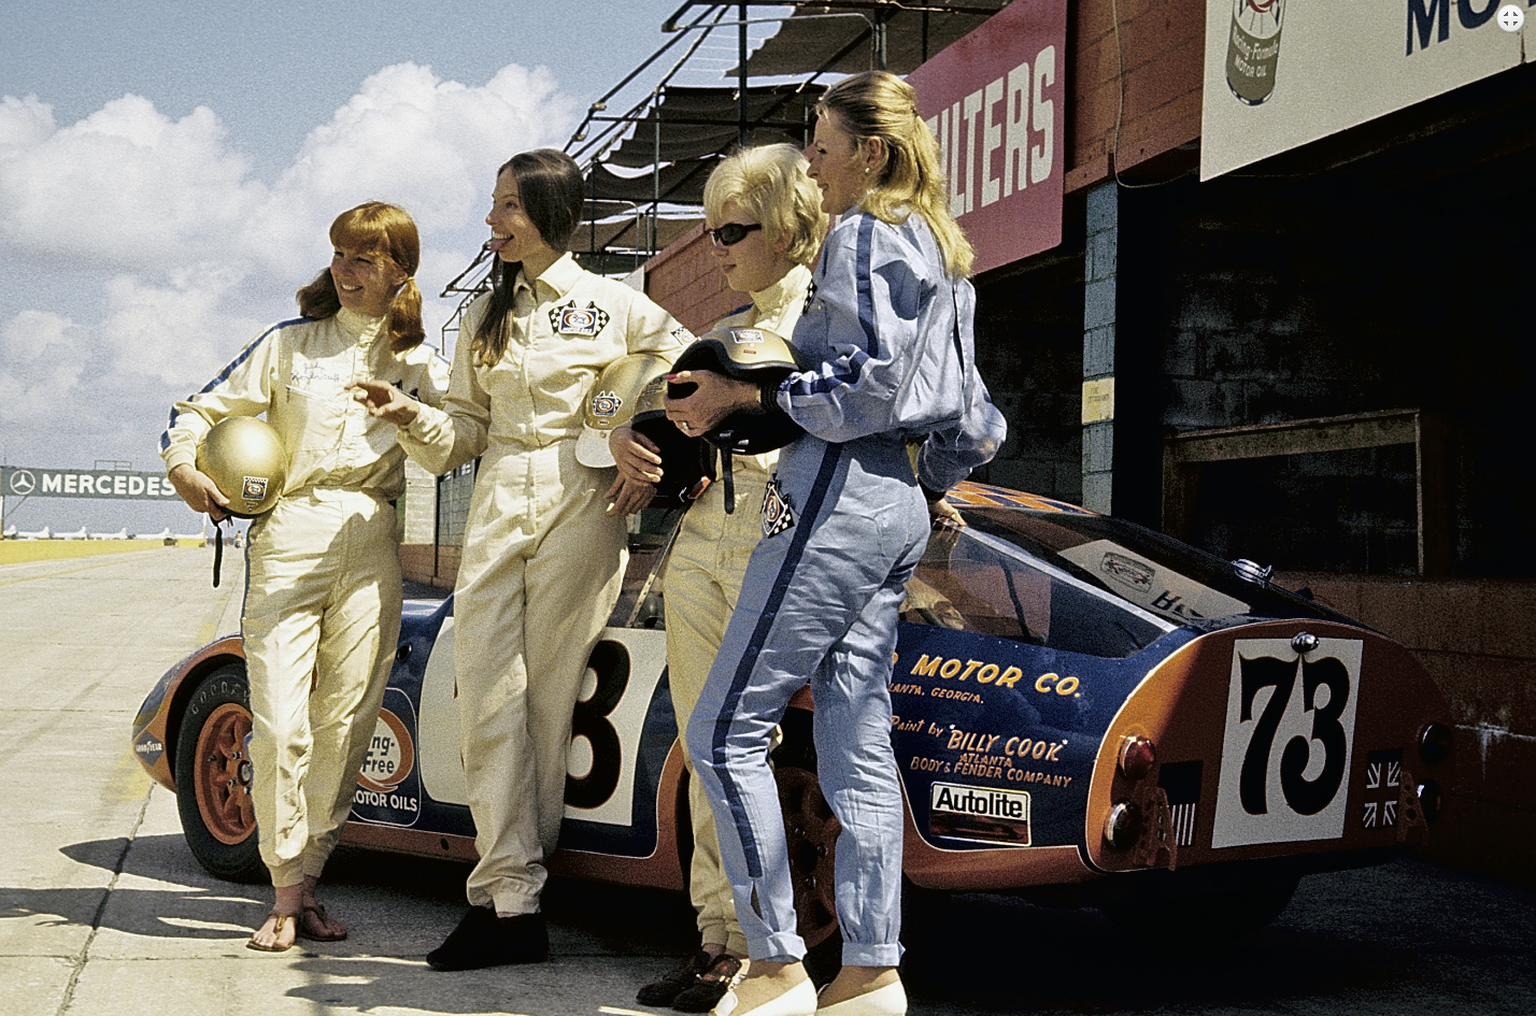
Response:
column 313, row 922
column 279, row 918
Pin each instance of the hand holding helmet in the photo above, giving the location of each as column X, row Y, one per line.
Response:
column 715, row 390
column 199, row 492
column 244, row 460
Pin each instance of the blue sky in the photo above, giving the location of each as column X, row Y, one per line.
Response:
column 168, row 170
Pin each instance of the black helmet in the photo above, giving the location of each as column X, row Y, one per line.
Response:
column 745, row 354
column 687, row 463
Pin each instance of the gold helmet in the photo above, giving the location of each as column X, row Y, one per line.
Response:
column 612, row 403
column 244, row 458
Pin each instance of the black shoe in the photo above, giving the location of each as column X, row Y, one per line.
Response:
column 709, row 987
column 484, row 940
column 663, row 990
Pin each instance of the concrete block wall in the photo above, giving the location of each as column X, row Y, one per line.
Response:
column 430, row 565
column 1478, row 643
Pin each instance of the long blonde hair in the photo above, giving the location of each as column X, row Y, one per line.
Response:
column 383, row 230
column 878, row 104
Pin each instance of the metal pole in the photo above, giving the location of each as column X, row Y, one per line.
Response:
column 742, row 107
column 877, row 38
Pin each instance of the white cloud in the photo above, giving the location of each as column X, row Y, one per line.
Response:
column 140, row 251
column 126, row 188
column 429, row 145
column 43, row 355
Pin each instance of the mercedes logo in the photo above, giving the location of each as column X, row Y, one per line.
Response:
column 22, row 482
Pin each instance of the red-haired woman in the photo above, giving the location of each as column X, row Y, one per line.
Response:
column 322, row 601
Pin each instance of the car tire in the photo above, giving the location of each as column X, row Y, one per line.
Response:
column 213, row 777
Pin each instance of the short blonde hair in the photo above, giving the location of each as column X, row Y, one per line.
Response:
column 770, row 184
column 878, row 104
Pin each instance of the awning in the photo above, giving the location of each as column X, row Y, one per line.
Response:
column 813, row 40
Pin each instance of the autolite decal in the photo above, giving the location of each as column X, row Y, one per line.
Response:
column 984, row 814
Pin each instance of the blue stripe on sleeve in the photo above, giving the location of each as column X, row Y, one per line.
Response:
column 223, row 375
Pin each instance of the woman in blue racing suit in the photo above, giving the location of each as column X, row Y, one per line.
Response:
column 888, row 332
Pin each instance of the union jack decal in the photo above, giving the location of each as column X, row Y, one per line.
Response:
column 1383, row 777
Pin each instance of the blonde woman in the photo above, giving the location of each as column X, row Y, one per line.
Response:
column 888, row 333
column 764, row 219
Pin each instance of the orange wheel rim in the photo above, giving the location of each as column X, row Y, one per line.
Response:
column 222, row 775
column 812, row 831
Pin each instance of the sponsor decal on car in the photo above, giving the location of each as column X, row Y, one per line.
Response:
column 149, row 749
column 389, row 786
column 980, row 814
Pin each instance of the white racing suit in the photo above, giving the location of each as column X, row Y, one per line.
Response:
column 702, row 582
column 541, row 562
column 844, row 525
column 321, row 615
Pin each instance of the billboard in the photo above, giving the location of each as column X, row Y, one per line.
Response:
column 1281, row 73
column 24, row 481
column 996, row 100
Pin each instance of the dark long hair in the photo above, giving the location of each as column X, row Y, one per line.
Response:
column 550, row 188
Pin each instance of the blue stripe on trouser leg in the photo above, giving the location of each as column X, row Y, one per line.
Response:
column 822, row 595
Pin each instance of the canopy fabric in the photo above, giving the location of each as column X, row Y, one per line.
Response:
column 810, row 41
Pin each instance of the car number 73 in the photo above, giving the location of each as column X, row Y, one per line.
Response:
column 1289, row 735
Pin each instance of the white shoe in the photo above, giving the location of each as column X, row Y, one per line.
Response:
column 890, row 1000
column 797, row 1001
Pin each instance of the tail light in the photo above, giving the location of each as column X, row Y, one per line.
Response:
column 1122, row 826
column 1137, row 756
column 1435, row 743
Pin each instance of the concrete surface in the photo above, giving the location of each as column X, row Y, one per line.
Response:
column 104, row 912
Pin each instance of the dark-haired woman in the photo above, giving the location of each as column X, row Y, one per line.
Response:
column 542, row 561
column 322, row 603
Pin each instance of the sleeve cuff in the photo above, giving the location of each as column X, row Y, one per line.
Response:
column 768, row 398
column 929, row 494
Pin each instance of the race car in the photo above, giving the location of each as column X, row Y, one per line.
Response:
column 1085, row 711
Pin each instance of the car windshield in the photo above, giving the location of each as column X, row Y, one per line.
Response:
column 1078, row 582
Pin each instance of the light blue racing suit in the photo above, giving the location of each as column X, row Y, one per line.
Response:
column 844, row 525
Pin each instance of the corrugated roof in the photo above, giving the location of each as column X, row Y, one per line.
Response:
column 696, row 122
column 691, row 128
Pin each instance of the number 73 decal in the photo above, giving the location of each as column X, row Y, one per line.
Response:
column 1286, row 748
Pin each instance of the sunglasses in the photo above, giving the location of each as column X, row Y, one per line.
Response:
column 732, row 233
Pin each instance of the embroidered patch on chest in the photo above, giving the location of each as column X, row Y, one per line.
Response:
column 777, row 515
column 573, row 320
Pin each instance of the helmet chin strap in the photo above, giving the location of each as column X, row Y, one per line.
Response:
column 218, row 548
column 730, row 481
